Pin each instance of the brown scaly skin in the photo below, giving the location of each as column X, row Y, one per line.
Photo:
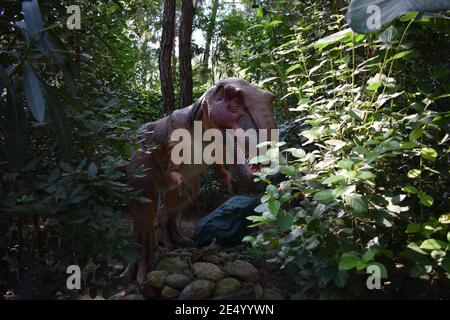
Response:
column 230, row 104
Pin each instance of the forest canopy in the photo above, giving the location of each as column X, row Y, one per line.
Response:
column 363, row 115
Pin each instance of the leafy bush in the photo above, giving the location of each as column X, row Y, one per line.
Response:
column 374, row 189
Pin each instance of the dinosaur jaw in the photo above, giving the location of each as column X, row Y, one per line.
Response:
column 242, row 165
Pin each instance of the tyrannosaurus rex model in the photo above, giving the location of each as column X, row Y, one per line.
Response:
column 231, row 104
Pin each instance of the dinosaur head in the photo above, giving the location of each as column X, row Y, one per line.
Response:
column 236, row 104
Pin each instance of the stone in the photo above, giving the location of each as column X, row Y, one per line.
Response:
column 172, row 264
column 271, row 294
column 207, row 271
column 169, row 293
column 227, row 286
column 177, row 280
column 197, row 290
column 212, row 258
column 258, row 291
column 157, row 278
column 242, row 270
column 148, row 292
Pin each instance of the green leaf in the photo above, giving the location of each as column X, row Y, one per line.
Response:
column 59, row 122
column 428, row 154
column 361, row 265
column 415, row 134
column 414, row 173
column 33, row 93
column 357, row 202
column 372, row 156
column 274, row 206
column 293, row 67
column 343, row 35
column 402, row 54
column 365, row 175
column 341, row 279
column 284, row 221
column 324, row 196
column 345, row 164
column 413, row 228
column 272, row 190
column 433, row 244
column 425, row 199
column 445, row 263
column 333, row 179
column 410, row 189
column 348, row 261
column 369, row 255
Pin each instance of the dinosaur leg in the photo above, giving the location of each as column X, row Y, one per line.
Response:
column 173, row 203
column 143, row 215
column 177, row 238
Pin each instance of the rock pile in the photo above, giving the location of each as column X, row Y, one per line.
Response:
column 205, row 276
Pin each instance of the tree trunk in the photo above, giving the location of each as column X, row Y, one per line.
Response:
column 209, row 34
column 187, row 17
column 165, row 56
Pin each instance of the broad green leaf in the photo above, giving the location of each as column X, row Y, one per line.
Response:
column 415, row 134
column 341, row 279
column 348, row 261
column 365, row 175
column 271, row 190
column 413, row 228
column 369, row 255
column 414, row 173
column 372, row 156
column 293, row 67
column 345, row 164
column 274, row 206
column 445, row 263
column 357, row 202
column 284, row 221
column 333, row 179
column 33, row 92
column 428, row 154
column 425, row 199
column 342, row 35
column 433, row 244
column 410, row 189
column 361, row 265
column 324, row 196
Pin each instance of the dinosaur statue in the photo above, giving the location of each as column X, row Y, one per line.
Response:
column 231, row 104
